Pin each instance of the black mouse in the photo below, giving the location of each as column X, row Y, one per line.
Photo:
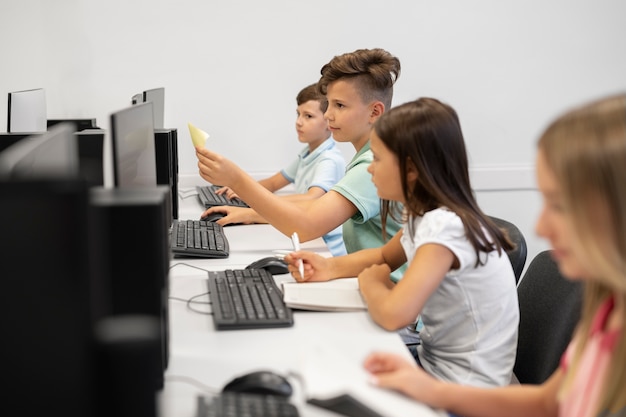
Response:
column 272, row 264
column 213, row 217
column 260, row 382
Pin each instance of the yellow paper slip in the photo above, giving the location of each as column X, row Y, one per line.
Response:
column 198, row 137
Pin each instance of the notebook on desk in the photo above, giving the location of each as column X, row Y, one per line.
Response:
column 334, row 377
column 336, row 295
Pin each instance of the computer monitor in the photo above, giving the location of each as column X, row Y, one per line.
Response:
column 134, row 155
column 7, row 139
column 27, row 111
column 91, row 155
column 53, row 154
column 79, row 124
column 157, row 97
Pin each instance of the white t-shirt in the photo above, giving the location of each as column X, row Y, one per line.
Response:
column 471, row 321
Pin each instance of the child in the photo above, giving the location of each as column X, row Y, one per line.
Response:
column 318, row 167
column 359, row 88
column 459, row 277
column 581, row 166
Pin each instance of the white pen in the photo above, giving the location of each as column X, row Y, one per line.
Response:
column 296, row 247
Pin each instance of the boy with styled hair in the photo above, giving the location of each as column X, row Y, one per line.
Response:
column 359, row 88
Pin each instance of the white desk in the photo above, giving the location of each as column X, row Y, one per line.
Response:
column 332, row 344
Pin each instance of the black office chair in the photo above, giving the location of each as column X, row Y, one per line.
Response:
column 518, row 255
column 549, row 310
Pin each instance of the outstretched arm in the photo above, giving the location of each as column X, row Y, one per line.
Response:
column 311, row 219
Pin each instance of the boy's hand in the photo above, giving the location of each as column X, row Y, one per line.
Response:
column 216, row 169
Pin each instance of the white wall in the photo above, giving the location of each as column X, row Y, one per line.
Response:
column 233, row 68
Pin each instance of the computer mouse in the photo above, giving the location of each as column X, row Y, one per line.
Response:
column 260, row 382
column 213, row 217
column 272, row 264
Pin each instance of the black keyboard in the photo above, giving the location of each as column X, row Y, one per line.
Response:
column 208, row 197
column 247, row 299
column 196, row 238
column 236, row 404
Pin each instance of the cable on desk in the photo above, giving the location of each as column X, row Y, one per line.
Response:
column 186, row 194
column 191, row 301
column 192, row 381
column 189, row 265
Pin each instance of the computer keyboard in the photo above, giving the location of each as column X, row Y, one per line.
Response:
column 196, row 238
column 237, row 404
column 208, row 197
column 247, row 299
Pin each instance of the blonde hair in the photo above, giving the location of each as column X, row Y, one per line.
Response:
column 586, row 151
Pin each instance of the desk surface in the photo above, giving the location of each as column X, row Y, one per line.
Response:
column 321, row 346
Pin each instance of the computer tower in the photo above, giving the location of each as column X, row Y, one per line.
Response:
column 127, row 346
column 45, row 306
column 91, row 155
column 166, row 149
column 132, row 263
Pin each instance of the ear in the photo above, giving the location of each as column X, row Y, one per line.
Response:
column 411, row 171
column 377, row 109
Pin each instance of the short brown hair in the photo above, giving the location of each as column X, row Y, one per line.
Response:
column 312, row 92
column 374, row 71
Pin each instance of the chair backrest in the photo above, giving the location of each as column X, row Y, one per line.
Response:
column 518, row 255
column 549, row 311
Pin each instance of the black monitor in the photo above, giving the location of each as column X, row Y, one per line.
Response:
column 157, row 97
column 27, row 111
column 79, row 124
column 134, row 155
column 50, row 154
column 7, row 139
column 91, row 155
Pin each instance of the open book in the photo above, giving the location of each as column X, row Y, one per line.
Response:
column 336, row 295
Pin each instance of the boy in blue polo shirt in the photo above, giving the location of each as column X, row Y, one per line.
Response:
column 313, row 173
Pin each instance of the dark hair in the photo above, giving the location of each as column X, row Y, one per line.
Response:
column 312, row 92
column 426, row 134
column 374, row 71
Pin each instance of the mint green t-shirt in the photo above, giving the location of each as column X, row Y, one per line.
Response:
column 364, row 229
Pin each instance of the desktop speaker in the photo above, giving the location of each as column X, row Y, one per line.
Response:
column 166, row 149
column 132, row 261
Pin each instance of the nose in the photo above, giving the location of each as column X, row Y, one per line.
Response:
column 327, row 114
column 542, row 226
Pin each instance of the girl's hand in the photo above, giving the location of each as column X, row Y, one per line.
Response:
column 316, row 267
column 375, row 273
column 395, row 372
